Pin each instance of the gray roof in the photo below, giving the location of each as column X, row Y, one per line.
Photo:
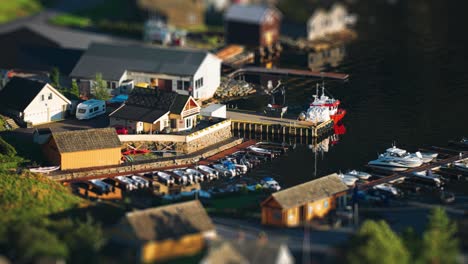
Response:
column 64, row 37
column 165, row 222
column 244, row 251
column 89, row 139
column 310, row 191
column 113, row 60
column 254, row 14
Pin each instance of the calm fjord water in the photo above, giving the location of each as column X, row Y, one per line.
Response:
column 409, row 84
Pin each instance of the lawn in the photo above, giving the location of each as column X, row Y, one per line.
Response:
column 13, row 9
column 238, row 205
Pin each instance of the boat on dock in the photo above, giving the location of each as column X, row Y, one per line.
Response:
column 461, row 166
column 44, row 169
column 424, row 156
column 270, row 184
column 324, row 102
column 164, row 177
column 358, row 174
column 394, row 162
column 198, row 174
column 388, row 188
column 140, row 180
column 350, row 181
column 261, row 151
column 208, row 171
column 226, row 169
column 425, row 178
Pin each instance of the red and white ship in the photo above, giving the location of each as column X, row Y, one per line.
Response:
column 331, row 104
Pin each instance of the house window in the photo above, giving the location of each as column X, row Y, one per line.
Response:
column 188, row 122
column 179, row 85
column 50, row 96
column 325, row 204
column 109, row 85
column 114, row 85
column 199, row 83
column 42, row 97
column 186, row 85
column 310, row 209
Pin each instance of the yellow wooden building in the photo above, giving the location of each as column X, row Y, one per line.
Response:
column 304, row 202
column 165, row 232
column 83, row 148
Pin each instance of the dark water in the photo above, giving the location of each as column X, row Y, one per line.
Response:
column 409, row 84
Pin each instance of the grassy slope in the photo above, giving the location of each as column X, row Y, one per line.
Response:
column 11, row 9
column 29, row 196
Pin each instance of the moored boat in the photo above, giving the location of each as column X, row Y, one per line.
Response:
column 44, row 169
column 358, row 174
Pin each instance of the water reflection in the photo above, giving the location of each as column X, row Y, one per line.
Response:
column 318, row 61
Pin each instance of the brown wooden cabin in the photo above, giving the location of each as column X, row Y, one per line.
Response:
column 165, row 232
column 83, row 148
column 252, row 25
column 296, row 205
column 178, row 13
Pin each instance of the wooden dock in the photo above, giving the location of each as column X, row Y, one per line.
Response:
column 252, row 122
column 408, row 173
column 288, row 72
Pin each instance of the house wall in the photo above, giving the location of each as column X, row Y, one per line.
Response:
column 90, row 158
column 273, row 214
column 167, row 249
column 270, row 29
column 129, row 124
column 210, row 70
column 325, row 22
column 43, row 111
column 51, row 152
column 337, row 16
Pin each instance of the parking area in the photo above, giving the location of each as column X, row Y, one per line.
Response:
column 72, row 123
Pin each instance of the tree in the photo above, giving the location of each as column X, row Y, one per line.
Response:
column 100, row 90
column 84, row 239
column 55, row 78
column 439, row 244
column 6, row 149
column 74, row 90
column 375, row 242
column 412, row 242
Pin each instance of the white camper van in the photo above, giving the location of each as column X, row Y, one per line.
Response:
column 91, row 108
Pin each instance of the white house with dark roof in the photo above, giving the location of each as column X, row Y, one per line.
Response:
column 327, row 20
column 32, row 102
column 188, row 72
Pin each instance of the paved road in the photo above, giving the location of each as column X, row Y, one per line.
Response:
column 322, row 242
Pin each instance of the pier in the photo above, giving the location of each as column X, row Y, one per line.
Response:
column 288, row 72
column 275, row 127
column 408, row 173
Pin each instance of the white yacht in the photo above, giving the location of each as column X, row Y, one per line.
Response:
column 395, row 162
column 426, row 177
column 358, row 174
column 387, row 188
column 424, row 156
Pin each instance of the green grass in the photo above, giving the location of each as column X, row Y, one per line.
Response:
column 12, row 9
column 239, row 205
column 71, row 21
column 30, row 196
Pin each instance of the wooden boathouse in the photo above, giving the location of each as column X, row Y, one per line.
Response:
column 301, row 203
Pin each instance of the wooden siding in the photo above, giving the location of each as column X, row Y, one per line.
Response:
column 51, row 152
column 167, row 249
column 90, row 158
column 270, row 30
column 273, row 214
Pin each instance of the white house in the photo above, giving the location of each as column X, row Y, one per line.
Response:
column 327, row 21
column 187, row 72
column 33, row 102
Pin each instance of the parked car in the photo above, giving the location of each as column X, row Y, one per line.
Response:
column 121, row 130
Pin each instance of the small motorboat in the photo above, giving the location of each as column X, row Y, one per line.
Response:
column 461, row 166
column 358, row 174
column 44, row 169
column 197, row 174
column 143, row 183
column 208, row 171
column 270, row 184
column 348, row 180
column 425, row 178
column 129, row 185
column 105, row 188
column 281, row 148
column 388, row 188
column 181, row 177
column 424, row 156
column 225, row 170
column 240, row 168
column 164, row 177
column 261, row 151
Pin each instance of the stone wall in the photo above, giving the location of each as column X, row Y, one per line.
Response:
column 207, row 140
column 145, row 166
